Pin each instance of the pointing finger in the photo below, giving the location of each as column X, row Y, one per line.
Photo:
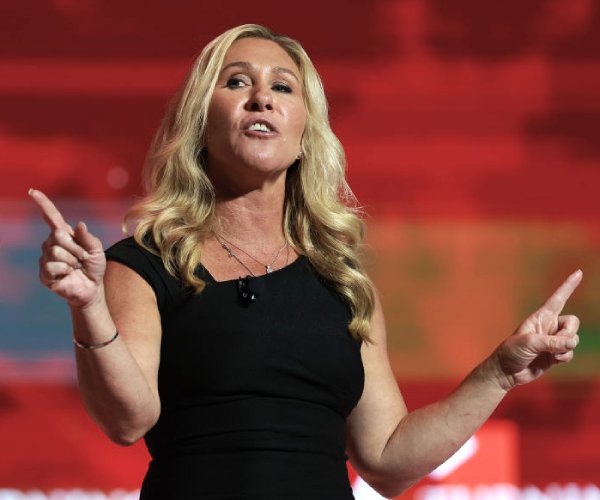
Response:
column 49, row 211
column 559, row 298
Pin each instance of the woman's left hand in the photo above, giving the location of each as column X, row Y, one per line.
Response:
column 543, row 340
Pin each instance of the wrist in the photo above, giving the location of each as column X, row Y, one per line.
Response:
column 99, row 345
column 93, row 326
column 93, row 312
column 491, row 371
column 95, row 303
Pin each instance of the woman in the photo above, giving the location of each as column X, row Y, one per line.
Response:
column 256, row 387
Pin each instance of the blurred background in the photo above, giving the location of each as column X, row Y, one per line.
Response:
column 472, row 134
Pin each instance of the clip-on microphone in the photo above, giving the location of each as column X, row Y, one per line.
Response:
column 250, row 288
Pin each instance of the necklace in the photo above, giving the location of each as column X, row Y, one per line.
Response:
column 268, row 267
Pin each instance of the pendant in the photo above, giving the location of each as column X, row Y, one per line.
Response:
column 269, row 269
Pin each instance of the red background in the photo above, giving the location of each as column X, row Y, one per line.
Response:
column 471, row 130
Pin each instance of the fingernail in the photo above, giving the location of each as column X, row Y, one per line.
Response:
column 30, row 192
column 84, row 226
column 571, row 343
column 84, row 255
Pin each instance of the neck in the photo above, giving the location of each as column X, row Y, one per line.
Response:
column 249, row 205
column 256, row 216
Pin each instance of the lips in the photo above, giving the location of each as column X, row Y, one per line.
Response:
column 259, row 125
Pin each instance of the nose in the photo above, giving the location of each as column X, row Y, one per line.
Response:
column 260, row 100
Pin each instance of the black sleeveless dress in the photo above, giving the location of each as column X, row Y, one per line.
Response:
column 253, row 397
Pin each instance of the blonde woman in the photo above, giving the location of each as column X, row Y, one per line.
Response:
column 237, row 332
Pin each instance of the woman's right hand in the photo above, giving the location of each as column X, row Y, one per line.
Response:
column 72, row 264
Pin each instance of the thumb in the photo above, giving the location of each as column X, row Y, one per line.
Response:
column 87, row 240
column 555, row 344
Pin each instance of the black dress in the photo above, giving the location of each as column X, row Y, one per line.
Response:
column 253, row 397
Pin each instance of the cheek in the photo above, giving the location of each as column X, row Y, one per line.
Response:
column 219, row 120
column 214, row 122
column 298, row 123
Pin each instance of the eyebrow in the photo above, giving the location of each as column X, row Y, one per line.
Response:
column 276, row 69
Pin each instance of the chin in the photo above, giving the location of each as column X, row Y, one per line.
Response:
column 268, row 164
column 251, row 164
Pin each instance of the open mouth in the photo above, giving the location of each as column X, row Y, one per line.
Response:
column 259, row 127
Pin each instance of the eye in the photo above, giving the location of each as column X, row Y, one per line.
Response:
column 235, row 82
column 282, row 87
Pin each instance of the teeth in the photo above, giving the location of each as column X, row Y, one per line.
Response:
column 259, row 127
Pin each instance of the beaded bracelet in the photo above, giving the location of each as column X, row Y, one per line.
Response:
column 91, row 347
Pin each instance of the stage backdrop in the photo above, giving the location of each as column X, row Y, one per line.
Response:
column 472, row 135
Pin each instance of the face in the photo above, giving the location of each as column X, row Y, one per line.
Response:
column 256, row 115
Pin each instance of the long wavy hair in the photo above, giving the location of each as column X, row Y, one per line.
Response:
column 321, row 219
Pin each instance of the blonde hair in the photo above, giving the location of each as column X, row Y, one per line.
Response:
column 320, row 219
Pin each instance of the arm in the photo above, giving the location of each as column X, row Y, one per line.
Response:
column 392, row 449
column 118, row 382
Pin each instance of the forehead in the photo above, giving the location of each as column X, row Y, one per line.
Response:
column 260, row 53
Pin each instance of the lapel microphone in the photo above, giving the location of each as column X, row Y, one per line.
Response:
column 250, row 288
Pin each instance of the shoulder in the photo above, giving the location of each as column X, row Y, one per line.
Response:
column 129, row 247
column 138, row 257
column 128, row 257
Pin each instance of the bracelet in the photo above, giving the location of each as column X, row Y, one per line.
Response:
column 91, row 347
